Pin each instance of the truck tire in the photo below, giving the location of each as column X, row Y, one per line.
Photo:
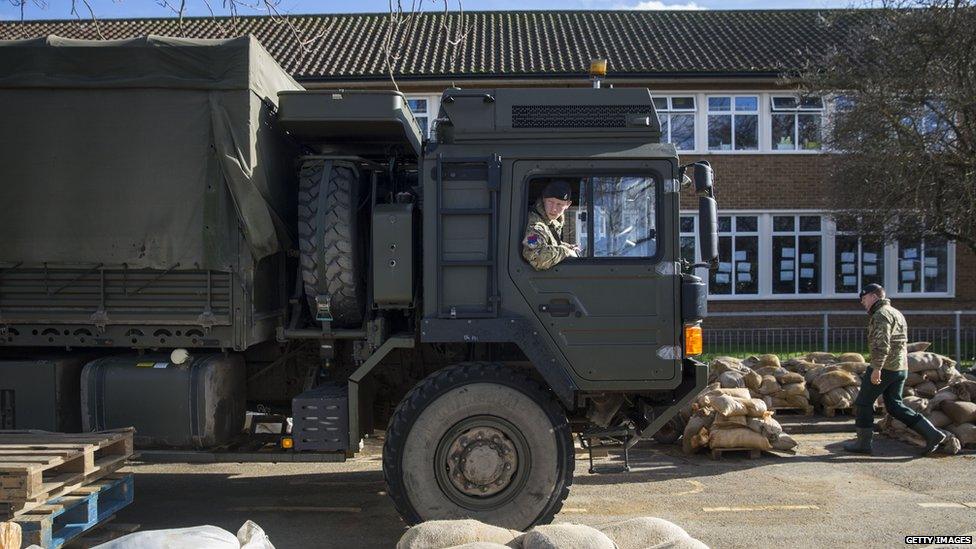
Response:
column 670, row 432
column 338, row 255
column 499, row 442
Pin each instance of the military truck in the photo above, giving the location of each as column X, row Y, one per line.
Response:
column 186, row 235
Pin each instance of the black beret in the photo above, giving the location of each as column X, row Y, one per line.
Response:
column 558, row 189
column 869, row 289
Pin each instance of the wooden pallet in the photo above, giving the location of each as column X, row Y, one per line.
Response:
column 794, row 410
column 830, row 411
column 66, row 517
column 751, row 453
column 36, row 466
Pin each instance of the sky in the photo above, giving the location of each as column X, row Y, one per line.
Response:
column 61, row 9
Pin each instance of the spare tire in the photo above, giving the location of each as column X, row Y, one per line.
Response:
column 331, row 255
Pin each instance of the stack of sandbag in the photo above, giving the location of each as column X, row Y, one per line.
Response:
column 731, row 373
column 732, row 418
column 834, row 380
column 635, row 533
column 952, row 409
column 764, row 377
column 928, row 373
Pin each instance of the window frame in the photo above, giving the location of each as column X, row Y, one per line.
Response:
column 732, row 113
column 797, row 233
column 828, row 266
column 670, row 111
column 795, row 112
column 895, row 283
column 652, row 174
column 433, row 107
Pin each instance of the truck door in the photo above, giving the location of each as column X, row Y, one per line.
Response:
column 612, row 312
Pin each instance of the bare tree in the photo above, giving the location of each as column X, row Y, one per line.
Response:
column 903, row 123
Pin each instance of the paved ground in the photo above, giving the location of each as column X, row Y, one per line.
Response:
column 817, row 498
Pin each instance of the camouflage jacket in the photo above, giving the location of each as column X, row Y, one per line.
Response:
column 888, row 337
column 543, row 245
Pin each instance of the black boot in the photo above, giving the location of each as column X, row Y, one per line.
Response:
column 934, row 437
column 863, row 443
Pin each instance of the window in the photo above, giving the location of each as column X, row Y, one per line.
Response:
column 688, row 229
column 424, row 110
column 619, row 211
column 923, row 267
column 733, row 123
column 797, row 123
column 677, row 116
column 797, row 244
column 857, row 262
column 738, row 253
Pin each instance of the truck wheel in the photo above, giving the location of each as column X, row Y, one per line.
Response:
column 482, row 441
column 671, row 431
column 338, row 255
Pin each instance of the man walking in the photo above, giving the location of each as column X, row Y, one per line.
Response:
column 888, row 340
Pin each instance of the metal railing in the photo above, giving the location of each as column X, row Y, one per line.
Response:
column 952, row 338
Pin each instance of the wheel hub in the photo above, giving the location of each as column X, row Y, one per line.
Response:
column 481, row 461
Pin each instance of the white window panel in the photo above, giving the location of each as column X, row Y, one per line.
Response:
column 424, row 108
column 733, row 122
column 677, row 117
column 796, row 123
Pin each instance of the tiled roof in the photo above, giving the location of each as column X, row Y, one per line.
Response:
column 508, row 43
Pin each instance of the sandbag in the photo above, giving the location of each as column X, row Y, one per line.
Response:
column 737, row 438
column 730, row 422
column 913, row 379
column 720, row 391
column 435, row 534
column 690, row 438
column 797, row 401
column 856, row 368
column 721, row 364
column 916, row 403
column 921, row 361
column 926, row 389
column 197, row 537
column 794, row 389
column 775, row 371
column 731, row 379
column 799, row 365
column 829, row 381
column 959, row 411
column 480, row 545
column 790, row 377
column 563, row 536
column 939, row 419
column 836, row 398
column 946, row 394
column 850, row 357
column 252, row 536
column 769, row 360
column 918, row 346
column 766, row 426
column 643, row 532
column 754, row 407
column 784, row 443
column 965, row 432
column 821, row 358
column 769, row 385
column 951, row 446
column 726, row 405
column 753, row 380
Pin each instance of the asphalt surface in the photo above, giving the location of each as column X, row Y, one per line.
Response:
column 817, row 498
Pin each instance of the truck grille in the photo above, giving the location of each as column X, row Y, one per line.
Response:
column 576, row 116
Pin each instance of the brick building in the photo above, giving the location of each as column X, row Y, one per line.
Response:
column 716, row 76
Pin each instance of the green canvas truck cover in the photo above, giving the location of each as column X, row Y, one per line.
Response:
column 145, row 152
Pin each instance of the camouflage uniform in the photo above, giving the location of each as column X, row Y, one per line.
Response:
column 543, row 245
column 887, row 337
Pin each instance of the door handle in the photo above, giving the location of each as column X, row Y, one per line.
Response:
column 560, row 307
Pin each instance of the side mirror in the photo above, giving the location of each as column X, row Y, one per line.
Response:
column 702, row 177
column 708, row 229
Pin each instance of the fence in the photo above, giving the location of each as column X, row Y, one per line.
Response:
column 953, row 339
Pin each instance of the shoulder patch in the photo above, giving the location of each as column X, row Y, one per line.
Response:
column 532, row 240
